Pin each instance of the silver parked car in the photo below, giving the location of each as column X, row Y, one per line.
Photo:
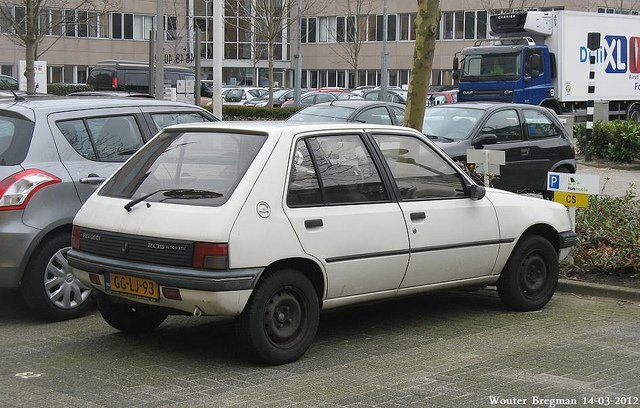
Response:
column 54, row 153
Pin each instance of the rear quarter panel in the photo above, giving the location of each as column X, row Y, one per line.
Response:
column 262, row 233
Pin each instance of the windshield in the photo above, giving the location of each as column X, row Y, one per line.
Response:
column 490, row 67
column 322, row 113
column 450, row 122
column 206, row 163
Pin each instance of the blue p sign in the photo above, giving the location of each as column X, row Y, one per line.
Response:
column 554, row 181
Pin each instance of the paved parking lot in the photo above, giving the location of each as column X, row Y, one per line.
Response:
column 446, row 350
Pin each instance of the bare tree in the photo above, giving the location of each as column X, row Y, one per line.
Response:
column 349, row 38
column 29, row 21
column 269, row 19
column 498, row 6
column 426, row 23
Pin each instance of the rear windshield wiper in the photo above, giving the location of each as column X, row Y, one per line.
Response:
column 179, row 193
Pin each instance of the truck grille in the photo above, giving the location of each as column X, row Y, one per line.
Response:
column 136, row 248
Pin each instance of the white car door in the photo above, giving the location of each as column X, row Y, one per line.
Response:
column 451, row 236
column 344, row 216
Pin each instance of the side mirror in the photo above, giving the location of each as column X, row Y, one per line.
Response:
column 485, row 139
column 456, row 63
column 476, row 192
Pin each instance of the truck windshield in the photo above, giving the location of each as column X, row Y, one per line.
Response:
column 490, row 67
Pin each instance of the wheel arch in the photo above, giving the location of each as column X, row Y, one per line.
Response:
column 307, row 267
column 43, row 236
column 545, row 231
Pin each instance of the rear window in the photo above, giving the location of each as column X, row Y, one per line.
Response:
column 15, row 137
column 192, row 168
column 322, row 113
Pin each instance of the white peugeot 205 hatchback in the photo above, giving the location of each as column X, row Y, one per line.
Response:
column 273, row 222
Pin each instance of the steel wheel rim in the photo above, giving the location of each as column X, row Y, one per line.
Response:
column 62, row 288
column 533, row 274
column 285, row 317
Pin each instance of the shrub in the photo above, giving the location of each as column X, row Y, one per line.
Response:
column 66, row 89
column 608, row 235
column 232, row 112
column 617, row 140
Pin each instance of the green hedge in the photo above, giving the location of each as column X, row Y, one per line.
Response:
column 608, row 235
column 617, row 141
column 232, row 112
column 66, row 89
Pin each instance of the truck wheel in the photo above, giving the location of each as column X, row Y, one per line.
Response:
column 634, row 112
column 281, row 319
column 49, row 288
column 530, row 276
column 129, row 317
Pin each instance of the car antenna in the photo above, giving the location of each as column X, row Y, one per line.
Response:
column 15, row 95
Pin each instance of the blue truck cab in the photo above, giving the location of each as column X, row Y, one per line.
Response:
column 512, row 68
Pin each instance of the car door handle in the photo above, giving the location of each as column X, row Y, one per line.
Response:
column 92, row 179
column 416, row 216
column 524, row 151
column 313, row 223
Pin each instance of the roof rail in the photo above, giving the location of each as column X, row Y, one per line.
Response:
column 514, row 40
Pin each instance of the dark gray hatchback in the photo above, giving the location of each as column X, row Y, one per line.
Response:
column 54, row 153
column 532, row 137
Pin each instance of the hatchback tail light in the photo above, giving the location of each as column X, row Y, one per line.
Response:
column 211, row 256
column 75, row 237
column 17, row 189
column 114, row 83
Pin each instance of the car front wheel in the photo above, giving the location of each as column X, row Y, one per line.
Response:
column 49, row 288
column 281, row 319
column 530, row 277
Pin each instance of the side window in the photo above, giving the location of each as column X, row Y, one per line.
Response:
column 324, row 97
column 539, row 125
column 76, row 134
column 419, row 172
column 162, row 120
column 528, row 56
column 504, row 124
column 378, row 115
column 115, row 138
column 304, row 188
column 347, row 173
column 399, row 113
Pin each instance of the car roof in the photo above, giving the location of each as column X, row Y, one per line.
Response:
column 276, row 128
column 487, row 105
column 49, row 104
column 357, row 103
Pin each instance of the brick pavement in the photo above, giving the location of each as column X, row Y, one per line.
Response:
column 445, row 350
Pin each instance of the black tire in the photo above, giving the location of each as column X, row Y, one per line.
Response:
column 280, row 321
column 530, row 277
column 49, row 288
column 129, row 317
column 633, row 113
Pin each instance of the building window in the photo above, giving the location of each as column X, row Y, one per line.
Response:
column 116, row 25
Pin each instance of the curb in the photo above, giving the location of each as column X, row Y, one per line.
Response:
column 596, row 289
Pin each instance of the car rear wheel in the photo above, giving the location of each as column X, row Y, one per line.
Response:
column 530, row 277
column 49, row 288
column 281, row 319
column 129, row 317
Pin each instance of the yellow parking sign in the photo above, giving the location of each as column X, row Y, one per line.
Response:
column 571, row 199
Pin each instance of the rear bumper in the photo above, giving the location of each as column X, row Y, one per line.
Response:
column 213, row 293
column 15, row 242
